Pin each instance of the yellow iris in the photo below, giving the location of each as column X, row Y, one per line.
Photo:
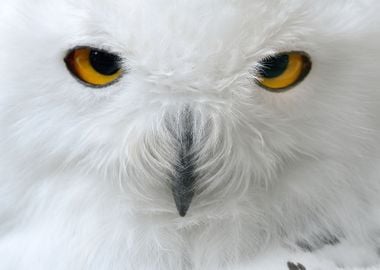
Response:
column 284, row 71
column 94, row 67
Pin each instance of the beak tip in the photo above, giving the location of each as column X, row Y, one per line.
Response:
column 182, row 208
column 182, row 212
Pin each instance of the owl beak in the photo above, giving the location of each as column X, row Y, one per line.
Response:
column 184, row 177
column 183, row 188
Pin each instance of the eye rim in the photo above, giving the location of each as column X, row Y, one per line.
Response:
column 307, row 65
column 68, row 63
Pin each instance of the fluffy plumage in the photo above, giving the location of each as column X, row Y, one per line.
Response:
column 85, row 173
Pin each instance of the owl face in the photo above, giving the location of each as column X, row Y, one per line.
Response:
column 187, row 107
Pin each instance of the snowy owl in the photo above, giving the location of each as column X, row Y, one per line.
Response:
column 189, row 135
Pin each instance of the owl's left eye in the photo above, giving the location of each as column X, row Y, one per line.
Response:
column 94, row 67
column 283, row 71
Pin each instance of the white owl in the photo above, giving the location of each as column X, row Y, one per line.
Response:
column 189, row 135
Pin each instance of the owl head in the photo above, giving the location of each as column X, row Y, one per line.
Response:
column 185, row 108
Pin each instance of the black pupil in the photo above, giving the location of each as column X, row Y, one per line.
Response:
column 274, row 66
column 104, row 63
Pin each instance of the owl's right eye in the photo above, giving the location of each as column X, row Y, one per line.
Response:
column 94, row 67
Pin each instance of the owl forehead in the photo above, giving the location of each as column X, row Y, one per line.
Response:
column 187, row 28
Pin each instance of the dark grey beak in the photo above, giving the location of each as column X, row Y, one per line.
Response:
column 183, row 186
column 183, row 181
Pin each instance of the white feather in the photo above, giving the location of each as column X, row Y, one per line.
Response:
column 84, row 173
